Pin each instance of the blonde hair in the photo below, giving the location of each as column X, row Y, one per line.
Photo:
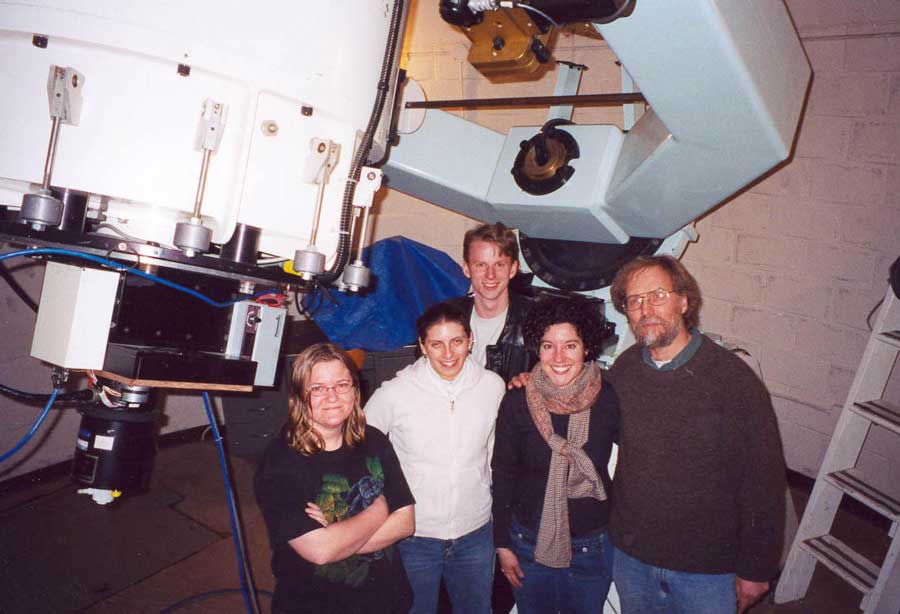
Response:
column 498, row 234
column 300, row 433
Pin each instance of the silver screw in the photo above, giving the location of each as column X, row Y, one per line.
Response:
column 269, row 127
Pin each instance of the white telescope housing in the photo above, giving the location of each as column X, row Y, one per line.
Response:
column 288, row 72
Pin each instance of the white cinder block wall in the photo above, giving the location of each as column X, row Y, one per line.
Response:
column 791, row 267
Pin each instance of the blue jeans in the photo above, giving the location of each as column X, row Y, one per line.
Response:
column 466, row 564
column 645, row 589
column 580, row 588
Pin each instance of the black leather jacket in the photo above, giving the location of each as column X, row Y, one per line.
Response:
column 509, row 356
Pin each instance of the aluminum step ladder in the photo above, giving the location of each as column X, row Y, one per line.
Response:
column 839, row 476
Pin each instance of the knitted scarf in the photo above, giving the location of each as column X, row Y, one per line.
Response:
column 572, row 474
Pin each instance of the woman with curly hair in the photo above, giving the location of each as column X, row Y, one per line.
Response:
column 550, row 479
column 334, row 498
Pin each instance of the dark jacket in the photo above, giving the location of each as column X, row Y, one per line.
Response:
column 521, row 464
column 509, row 356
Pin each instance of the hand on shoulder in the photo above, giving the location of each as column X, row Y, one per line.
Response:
column 518, row 381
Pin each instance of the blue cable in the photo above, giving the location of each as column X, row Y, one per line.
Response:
column 232, row 512
column 212, row 422
column 203, row 596
column 118, row 266
column 34, row 427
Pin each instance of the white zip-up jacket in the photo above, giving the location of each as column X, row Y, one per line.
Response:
column 443, row 433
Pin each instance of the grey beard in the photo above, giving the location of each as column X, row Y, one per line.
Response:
column 653, row 342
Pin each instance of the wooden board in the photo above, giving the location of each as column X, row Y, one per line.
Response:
column 173, row 384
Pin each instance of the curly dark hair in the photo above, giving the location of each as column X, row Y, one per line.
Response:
column 585, row 315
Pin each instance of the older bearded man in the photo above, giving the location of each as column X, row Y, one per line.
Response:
column 698, row 494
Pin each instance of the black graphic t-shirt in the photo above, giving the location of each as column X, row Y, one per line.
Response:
column 342, row 483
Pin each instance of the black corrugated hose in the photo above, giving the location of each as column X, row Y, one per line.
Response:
column 32, row 397
column 359, row 159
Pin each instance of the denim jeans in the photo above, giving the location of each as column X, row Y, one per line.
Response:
column 645, row 589
column 580, row 588
column 466, row 564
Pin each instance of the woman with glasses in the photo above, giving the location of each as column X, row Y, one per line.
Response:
column 439, row 413
column 551, row 484
column 334, row 498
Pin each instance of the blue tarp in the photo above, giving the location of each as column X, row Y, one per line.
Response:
column 408, row 278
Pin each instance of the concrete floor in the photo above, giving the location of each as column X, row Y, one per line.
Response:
column 60, row 552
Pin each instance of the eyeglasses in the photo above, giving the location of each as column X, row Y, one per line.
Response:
column 318, row 391
column 655, row 297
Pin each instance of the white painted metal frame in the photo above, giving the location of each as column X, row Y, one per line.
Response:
column 725, row 81
column 839, row 475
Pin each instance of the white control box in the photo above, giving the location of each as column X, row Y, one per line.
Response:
column 256, row 331
column 75, row 312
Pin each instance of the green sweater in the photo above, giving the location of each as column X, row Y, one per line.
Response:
column 700, row 481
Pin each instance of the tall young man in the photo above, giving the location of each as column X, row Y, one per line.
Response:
column 496, row 316
column 490, row 261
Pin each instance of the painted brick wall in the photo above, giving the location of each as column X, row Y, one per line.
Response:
column 795, row 264
column 791, row 268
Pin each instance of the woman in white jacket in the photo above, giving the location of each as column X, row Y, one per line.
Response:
column 439, row 414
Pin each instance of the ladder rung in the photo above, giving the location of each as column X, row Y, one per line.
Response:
column 854, row 483
column 881, row 412
column 837, row 556
column 891, row 336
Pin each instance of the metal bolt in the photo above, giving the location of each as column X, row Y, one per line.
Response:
column 269, row 127
column 59, row 376
column 321, row 147
column 122, row 246
column 39, row 41
column 184, row 70
column 306, row 111
column 371, row 176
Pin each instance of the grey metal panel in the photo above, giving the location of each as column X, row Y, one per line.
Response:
column 727, row 80
column 558, row 222
column 572, row 212
column 448, row 161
